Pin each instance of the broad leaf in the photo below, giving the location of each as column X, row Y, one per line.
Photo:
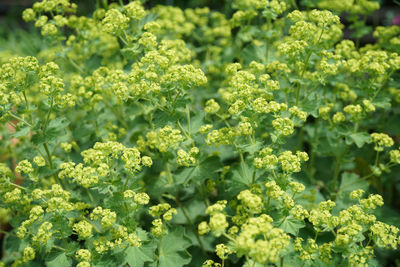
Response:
column 350, row 182
column 22, row 132
column 206, row 169
column 358, row 138
column 172, row 251
column 60, row 260
column 137, row 256
column 290, row 225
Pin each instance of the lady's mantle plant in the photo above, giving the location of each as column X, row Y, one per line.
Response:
column 169, row 137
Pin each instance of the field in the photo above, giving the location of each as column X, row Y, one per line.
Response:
column 199, row 133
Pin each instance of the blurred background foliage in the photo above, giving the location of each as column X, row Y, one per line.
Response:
column 13, row 30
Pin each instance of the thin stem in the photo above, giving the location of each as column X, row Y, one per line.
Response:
column 46, row 148
column 227, row 236
column 377, row 158
column 188, row 118
column 223, row 119
column 243, row 166
column 18, row 186
column 316, row 235
column 183, row 130
column 26, row 99
column 186, row 214
column 268, row 201
column 171, row 179
column 123, row 40
column 305, row 67
column 105, row 4
column 337, row 168
column 73, row 63
column 90, row 196
column 46, row 123
column 19, row 118
column 267, row 45
column 59, row 248
column 4, row 232
column 126, row 183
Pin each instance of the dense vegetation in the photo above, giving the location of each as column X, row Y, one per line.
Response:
column 247, row 134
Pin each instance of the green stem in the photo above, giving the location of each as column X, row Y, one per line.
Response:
column 126, row 183
column 18, row 186
column 46, row 148
column 311, row 168
column 268, row 201
column 20, row 119
column 242, row 164
column 73, row 63
column 306, row 66
column 26, row 99
column 188, row 118
column 186, row 214
column 105, row 4
column 301, row 76
column 90, row 196
column 124, row 41
column 187, row 135
column 4, row 232
column 49, row 159
column 227, row 236
column 171, row 179
column 337, row 168
column 316, row 235
column 223, row 119
column 46, row 123
column 267, row 45
column 377, row 158
column 294, row 4
column 59, row 248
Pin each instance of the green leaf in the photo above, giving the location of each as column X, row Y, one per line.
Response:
column 22, row 132
column 137, row 256
column 206, row 169
column 59, row 123
column 172, row 251
column 60, row 260
column 251, row 148
column 56, row 128
column 383, row 102
column 242, row 176
column 160, row 119
column 358, row 138
column 38, row 139
column 311, row 104
column 290, row 225
column 196, row 122
column 194, row 208
column 350, row 182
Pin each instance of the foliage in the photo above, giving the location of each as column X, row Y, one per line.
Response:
column 170, row 137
